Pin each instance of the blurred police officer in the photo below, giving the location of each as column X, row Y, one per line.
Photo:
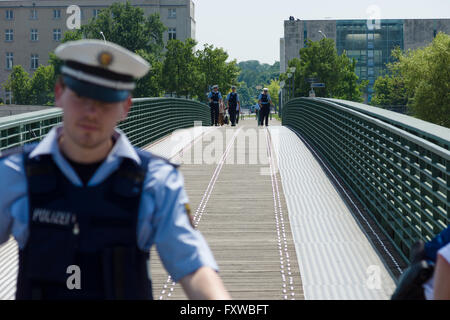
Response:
column 215, row 99
column 265, row 102
column 85, row 200
column 233, row 105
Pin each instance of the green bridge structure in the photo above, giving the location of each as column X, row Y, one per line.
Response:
column 389, row 171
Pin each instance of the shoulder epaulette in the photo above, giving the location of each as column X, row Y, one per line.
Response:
column 151, row 156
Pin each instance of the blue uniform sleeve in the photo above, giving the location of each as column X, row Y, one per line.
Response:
column 13, row 200
column 209, row 95
column 165, row 223
column 220, row 95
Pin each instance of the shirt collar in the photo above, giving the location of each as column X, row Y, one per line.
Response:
column 122, row 148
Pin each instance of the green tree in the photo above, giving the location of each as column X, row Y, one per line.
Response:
column 274, row 87
column 41, row 86
column 150, row 84
column 426, row 75
column 247, row 96
column 253, row 74
column 389, row 90
column 320, row 60
column 127, row 26
column 19, row 83
column 180, row 72
column 212, row 65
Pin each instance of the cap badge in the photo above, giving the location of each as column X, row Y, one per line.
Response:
column 105, row 59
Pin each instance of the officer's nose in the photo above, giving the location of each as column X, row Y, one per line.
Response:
column 91, row 106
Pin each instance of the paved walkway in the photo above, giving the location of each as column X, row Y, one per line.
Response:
column 239, row 207
column 336, row 259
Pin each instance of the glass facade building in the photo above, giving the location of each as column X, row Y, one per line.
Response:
column 370, row 43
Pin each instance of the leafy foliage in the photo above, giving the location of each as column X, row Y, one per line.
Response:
column 426, row 75
column 41, row 86
column 320, row 60
column 389, row 91
column 19, row 83
column 127, row 26
column 215, row 70
column 180, row 73
column 253, row 74
column 274, row 87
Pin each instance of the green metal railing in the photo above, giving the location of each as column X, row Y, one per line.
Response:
column 397, row 166
column 148, row 120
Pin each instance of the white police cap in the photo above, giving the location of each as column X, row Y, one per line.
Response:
column 215, row 86
column 265, row 89
column 103, row 64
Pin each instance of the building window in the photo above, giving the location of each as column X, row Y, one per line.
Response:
column 9, row 60
column 33, row 14
column 56, row 13
column 95, row 12
column 34, row 35
column 9, row 15
column 82, row 14
column 172, row 33
column 172, row 13
column 9, row 35
column 34, row 61
column 57, row 34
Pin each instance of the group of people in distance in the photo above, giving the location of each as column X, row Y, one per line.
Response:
column 218, row 107
column 233, row 106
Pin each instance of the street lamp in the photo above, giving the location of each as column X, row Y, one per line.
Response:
column 104, row 39
column 323, row 34
column 289, row 75
column 282, row 84
column 292, row 69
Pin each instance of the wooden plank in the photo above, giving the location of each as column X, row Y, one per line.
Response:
column 239, row 225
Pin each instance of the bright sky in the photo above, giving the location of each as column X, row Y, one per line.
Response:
column 251, row 29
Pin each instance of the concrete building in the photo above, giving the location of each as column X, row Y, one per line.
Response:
column 30, row 29
column 370, row 42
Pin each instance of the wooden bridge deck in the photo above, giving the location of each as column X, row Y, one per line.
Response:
column 238, row 212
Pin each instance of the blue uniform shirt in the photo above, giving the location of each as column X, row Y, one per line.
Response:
column 210, row 95
column 268, row 97
column 162, row 218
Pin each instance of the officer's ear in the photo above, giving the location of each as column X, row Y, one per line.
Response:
column 126, row 107
column 59, row 89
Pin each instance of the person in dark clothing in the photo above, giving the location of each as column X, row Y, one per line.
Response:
column 265, row 102
column 215, row 99
column 233, row 105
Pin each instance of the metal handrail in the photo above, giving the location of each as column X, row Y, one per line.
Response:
column 148, row 120
column 399, row 172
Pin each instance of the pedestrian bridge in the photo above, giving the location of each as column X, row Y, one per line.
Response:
column 323, row 205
